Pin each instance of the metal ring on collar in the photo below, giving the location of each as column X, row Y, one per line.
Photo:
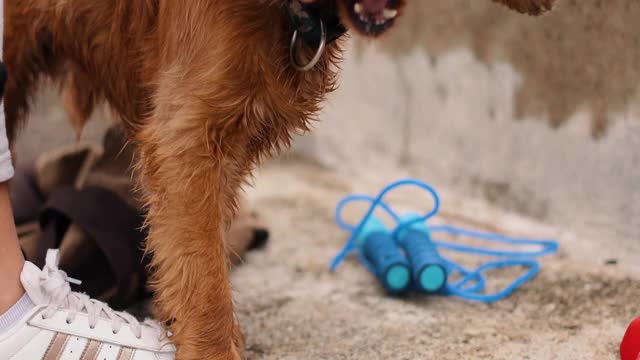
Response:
column 316, row 57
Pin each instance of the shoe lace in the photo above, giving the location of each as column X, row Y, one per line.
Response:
column 56, row 284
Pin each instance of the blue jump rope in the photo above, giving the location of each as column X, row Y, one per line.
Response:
column 407, row 257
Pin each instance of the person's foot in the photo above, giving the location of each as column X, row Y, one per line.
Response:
column 68, row 325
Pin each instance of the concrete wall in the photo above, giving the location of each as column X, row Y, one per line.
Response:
column 537, row 115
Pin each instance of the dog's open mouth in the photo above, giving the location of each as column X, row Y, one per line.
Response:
column 372, row 17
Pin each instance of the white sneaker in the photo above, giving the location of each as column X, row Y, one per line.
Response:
column 64, row 325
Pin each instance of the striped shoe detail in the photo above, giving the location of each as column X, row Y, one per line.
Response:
column 126, row 354
column 56, row 347
column 91, row 350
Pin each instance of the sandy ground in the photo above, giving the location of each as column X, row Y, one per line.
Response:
column 291, row 307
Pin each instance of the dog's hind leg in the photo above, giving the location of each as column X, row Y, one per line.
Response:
column 190, row 171
column 28, row 55
column 23, row 74
column 79, row 99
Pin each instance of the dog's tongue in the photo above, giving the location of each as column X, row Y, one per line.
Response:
column 374, row 6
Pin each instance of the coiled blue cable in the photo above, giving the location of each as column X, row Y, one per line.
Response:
column 412, row 228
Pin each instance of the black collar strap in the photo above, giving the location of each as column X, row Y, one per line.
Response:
column 306, row 19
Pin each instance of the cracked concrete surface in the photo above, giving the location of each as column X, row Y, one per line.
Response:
column 293, row 308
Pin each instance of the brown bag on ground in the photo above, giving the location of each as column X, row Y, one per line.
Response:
column 81, row 200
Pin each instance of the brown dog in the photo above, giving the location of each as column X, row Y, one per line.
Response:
column 206, row 90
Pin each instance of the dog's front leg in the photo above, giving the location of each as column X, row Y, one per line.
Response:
column 190, row 176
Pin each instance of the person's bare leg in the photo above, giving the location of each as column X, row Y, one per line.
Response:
column 11, row 259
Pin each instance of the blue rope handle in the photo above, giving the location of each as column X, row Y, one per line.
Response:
column 472, row 282
column 375, row 202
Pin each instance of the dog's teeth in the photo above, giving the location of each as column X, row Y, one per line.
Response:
column 357, row 7
column 390, row 13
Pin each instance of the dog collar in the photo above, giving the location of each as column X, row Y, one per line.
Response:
column 307, row 20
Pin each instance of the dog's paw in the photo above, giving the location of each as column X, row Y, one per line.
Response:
column 531, row 7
